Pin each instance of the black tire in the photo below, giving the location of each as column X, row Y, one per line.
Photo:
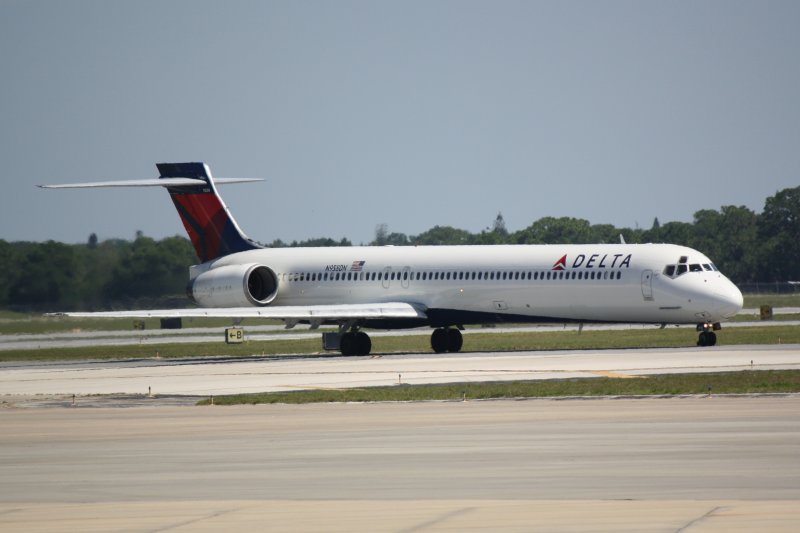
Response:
column 711, row 338
column 363, row 343
column 454, row 340
column 347, row 344
column 703, row 339
column 439, row 340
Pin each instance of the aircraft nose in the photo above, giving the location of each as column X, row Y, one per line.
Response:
column 728, row 300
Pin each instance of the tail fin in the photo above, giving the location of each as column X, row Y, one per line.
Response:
column 212, row 229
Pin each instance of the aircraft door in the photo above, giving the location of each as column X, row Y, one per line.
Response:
column 405, row 277
column 647, row 285
column 386, row 281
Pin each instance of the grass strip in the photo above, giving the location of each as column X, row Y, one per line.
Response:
column 743, row 382
column 17, row 323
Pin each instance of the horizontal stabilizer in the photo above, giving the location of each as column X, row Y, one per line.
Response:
column 158, row 182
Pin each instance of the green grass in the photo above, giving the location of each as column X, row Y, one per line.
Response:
column 757, row 318
column 18, row 323
column 775, row 300
column 762, row 381
column 479, row 342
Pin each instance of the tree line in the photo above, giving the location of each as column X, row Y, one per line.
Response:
column 747, row 246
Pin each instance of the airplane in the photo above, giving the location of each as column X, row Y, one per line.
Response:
column 442, row 287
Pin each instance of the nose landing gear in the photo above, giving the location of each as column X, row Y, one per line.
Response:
column 707, row 336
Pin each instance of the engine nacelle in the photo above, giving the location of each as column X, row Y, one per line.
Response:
column 234, row 286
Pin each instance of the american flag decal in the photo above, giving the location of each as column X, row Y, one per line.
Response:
column 357, row 266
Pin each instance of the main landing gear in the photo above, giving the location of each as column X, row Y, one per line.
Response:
column 446, row 340
column 355, row 343
column 707, row 335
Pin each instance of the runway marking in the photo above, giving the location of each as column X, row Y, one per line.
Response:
column 196, row 520
column 438, row 520
column 699, row 519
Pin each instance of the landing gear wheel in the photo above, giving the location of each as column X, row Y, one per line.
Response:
column 439, row 340
column 446, row 340
column 355, row 343
column 707, row 338
column 711, row 338
column 347, row 344
column 363, row 343
column 454, row 340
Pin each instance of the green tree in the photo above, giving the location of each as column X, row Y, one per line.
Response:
column 730, row 238
column 604, row 234
column 151, row 269
column 442, row 235
column 320, row 242
column 671, row 232
column 46, row 277
column 8, row 270
column 550, row 230
column 779, row 231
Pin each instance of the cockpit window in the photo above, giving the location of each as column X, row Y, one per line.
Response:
column 673, row 271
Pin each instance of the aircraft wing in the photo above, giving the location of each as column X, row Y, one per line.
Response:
column 290, row 313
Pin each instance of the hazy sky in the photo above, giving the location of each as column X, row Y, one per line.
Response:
column 407, row 113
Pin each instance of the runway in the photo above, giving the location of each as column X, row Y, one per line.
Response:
column 220, row 375
column 690, row 464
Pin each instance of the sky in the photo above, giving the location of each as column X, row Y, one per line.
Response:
column 411, row 114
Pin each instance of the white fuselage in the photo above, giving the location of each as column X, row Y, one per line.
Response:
column 475, row 284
